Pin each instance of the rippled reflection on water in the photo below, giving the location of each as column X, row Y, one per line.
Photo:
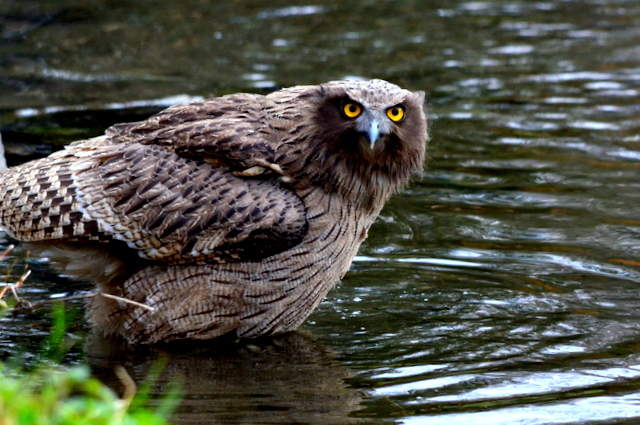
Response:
column 501, row 288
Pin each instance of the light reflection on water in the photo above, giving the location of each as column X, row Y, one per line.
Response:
column 501, row 288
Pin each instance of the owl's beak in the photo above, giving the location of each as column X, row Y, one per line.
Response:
column 373, row 128
column 374, row 133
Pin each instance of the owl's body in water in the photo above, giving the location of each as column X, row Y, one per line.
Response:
column 230, row 215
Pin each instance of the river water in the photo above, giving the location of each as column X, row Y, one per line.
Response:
column 502, row 288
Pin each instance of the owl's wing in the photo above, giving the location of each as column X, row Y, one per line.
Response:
column 164, row 206
column 228, row 130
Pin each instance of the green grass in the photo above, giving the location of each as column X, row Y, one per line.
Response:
column 51, row 394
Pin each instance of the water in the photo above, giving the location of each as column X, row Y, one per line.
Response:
column 501, row 288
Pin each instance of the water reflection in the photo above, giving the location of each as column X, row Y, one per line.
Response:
column 287, row 379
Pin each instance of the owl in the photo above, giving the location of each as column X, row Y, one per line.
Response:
column 232, row 215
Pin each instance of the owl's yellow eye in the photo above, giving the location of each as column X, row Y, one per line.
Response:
column 395, row 113
column 352, row 110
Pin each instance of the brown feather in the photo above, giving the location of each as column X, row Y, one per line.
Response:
column 234, row 214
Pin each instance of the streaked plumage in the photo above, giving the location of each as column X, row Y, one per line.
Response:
column 234, row 214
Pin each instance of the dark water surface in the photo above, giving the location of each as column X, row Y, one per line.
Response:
column 502, row 288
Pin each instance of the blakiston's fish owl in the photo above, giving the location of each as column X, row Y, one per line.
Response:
column 234, row 214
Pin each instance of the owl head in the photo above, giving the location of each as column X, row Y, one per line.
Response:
column 365, row 138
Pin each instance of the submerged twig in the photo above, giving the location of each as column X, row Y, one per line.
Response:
column 25, row 305
column 6, row 251
column 18, row 285
column 13, row 288
column 128, row 301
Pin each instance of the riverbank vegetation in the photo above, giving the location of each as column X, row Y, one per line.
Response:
column 51, row 394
